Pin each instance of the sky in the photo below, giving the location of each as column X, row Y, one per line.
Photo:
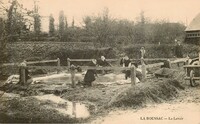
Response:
column 182, row 11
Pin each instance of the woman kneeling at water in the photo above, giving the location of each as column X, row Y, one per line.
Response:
column 90, row 74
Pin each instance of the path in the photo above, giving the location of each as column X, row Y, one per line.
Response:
column 184, row 110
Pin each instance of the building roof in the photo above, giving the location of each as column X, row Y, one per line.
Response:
column 195, row 24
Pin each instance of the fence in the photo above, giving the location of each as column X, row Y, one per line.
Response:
column 33, row 62
column 114, row 60
column 72, row 70
column 23, row 68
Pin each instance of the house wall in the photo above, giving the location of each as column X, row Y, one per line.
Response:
column 193, row 37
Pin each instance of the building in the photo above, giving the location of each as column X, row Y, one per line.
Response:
column 193, row 31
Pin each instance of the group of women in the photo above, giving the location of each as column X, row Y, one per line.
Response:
column 124, row 62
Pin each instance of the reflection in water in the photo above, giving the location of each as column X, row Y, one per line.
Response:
column 77, row 110
column 72, row 109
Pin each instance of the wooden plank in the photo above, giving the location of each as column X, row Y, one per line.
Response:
column 146, row 59
column 89, row 60
column 33, row 62
column 45, row 61
column 91, row 67
column 11, row 64
column 157, row 59
column 179, row 60
column 82, row 67
column 195, row 78
column 191, row 66
column 154, row 65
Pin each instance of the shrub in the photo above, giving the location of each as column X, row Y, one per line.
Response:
column 160, row 51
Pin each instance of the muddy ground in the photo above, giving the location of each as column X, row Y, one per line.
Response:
column 183, row 109
column 21, row 104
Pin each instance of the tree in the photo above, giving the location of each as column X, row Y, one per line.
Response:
column 139, row 35
column 10, row 17
column 88, row 22
column 65, row 36
column 15, row 23
column 51, row 25
column 165, row 32
column 61, row 24
column 37, row 20
column 66, row 23
column 101, row 28
column 3, row 42
column 73, row 22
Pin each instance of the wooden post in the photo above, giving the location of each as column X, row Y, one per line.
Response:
column 187, row 61
column 58, row 64
column 73, row 71
column 23, row 73
column 142, row 50
column 58, row 60
column 133, row 75
column 199, row 57
column 143, row 68
column 170, row 65
column 68, row 62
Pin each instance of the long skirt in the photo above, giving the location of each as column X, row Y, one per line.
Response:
column 89, row 77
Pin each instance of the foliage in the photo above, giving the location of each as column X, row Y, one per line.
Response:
column 51, row 25
column 61, row 24
column 102, row 29
column 3, row 56
column 19, row 20
column 37, row 21
column 37, row 25
column 160, row 51
column 109, row 31
column 16, row 22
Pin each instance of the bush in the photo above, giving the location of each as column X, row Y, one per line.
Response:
column 160, row 51
column 191, row 50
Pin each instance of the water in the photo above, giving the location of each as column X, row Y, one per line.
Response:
column 71, row 109
column 65, row 78
column 76, row 110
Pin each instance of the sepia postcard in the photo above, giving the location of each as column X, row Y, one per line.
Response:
column 100, row 61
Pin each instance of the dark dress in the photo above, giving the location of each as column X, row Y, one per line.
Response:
column 166, row 64
column 178, row 51
column 126, row 63
column 90, row 75
column 103, row 64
